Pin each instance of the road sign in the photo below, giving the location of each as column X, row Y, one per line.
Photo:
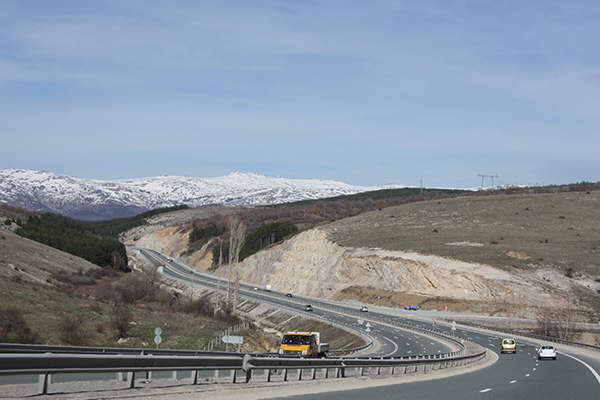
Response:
column 162, row 249
column 233, row 339
column 360, row 321
column 157, row 338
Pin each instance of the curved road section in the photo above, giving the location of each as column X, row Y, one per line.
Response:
column 389, row 341
column 514, row 376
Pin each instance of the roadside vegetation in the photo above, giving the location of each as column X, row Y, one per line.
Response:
column 107, row 309
column 94, row 241
column 265, row 235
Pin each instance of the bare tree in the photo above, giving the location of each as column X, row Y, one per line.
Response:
column 237, row 236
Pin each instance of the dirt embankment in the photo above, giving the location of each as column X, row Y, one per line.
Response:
column 311, row 264
column 169, row 233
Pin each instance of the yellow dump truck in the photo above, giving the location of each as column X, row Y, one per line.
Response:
column 302, row 344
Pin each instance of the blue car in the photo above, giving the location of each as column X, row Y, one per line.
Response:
column 411, row 308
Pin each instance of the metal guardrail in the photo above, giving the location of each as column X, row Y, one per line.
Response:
column 46, row 364
column 38, row 348
column 533, row 335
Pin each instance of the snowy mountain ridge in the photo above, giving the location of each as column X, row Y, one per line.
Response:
column 99, row 199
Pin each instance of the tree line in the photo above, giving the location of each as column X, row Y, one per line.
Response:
column 112, row 227
column 77, row 238
column 264, row 236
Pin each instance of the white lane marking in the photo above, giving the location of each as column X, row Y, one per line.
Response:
column 513, row 381
column 485, row 390
column 534, row 369
column 592, row 370
column 410, row 351
column 526, row 374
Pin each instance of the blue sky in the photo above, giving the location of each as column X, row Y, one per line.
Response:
column 363, row 92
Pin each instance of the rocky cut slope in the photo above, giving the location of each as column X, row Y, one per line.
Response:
column 497, row 254
column 97, row 199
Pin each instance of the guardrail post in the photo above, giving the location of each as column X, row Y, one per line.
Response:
column 362, row 371
column 216, row 373
column 300, row 374
column 43, row 384
column 392, row 372
column 174, row 375
column 195, row 377
column 269, row 375
column 248, row 375
column 314, row 373
column 131, row 379
column 326, row 372
column 285, row 374
column 233, row 375
column 378, row 370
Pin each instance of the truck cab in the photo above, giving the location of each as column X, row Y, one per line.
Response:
column 302, row 344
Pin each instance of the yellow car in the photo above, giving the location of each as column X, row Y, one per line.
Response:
column 509, row 345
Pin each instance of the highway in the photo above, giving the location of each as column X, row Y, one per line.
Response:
column 391, row 342
column 513, row 376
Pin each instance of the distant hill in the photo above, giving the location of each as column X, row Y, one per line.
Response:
column 91, row 199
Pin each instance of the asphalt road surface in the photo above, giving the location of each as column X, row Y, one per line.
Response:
column 514, row 376
column 393, row 342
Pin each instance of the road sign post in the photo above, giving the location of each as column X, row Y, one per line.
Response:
column 157, row 338
column 227, row 339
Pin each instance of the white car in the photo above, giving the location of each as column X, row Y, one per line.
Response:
column 364, row 309
column 547, row 351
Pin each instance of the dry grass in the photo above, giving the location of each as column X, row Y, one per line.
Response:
column 33, row 261
column 390, row 298
column 50, row 312
column 557, row 230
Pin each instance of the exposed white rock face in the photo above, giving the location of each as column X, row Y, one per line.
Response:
column 311, row 264
column 92, row 199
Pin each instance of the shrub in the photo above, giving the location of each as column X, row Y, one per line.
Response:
column 7, row 221
column 14, row 328
column 133, row 288
column 121, row 315
column 71, row 331
column 570, row 272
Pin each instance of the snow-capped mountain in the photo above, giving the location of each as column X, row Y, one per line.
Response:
column 97, row 199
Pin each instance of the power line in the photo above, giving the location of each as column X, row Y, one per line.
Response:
column 483, row 176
